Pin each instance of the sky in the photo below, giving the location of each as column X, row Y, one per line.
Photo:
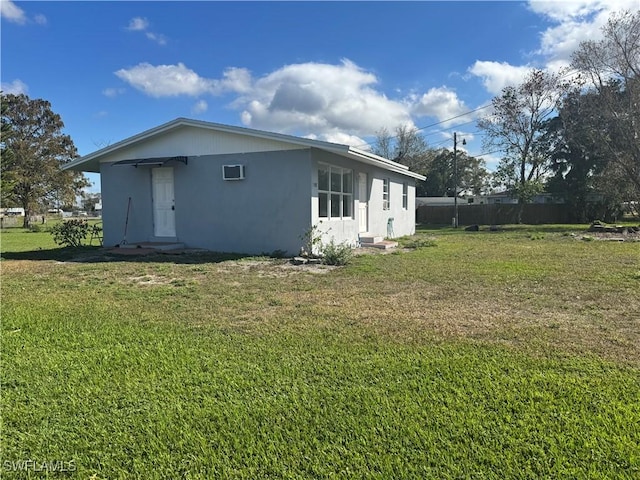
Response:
column 333, row 71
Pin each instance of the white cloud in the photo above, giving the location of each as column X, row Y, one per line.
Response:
column 141, row 24
column 563, row 11
column 157, row 37
column 199, row 107
column 235, row 80
column 40, row 19
column 338, row 103
column 113, row 92
column 574, row 22
column 12, row 12
column 138, row 24
column 15, row 88
column 165, row 80
column 441, row 103
column 496, row 75
column 344, row 139
column 321, row 98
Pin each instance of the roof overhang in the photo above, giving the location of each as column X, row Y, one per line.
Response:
column 150, row 162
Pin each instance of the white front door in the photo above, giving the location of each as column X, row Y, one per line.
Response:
column 164, row 218
column 363, row 200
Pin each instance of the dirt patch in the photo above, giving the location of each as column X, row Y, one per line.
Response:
column 272, row 268
column 600, row 231
column 145, row 280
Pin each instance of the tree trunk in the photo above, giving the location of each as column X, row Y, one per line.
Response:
column 520, row 210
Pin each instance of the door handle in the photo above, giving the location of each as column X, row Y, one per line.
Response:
column 173, row 207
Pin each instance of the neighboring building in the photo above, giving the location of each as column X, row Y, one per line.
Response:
column 437, row 201
column 502, row 198
column 12, row 212
column 234, row 189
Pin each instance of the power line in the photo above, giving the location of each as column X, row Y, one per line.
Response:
column 436, row 124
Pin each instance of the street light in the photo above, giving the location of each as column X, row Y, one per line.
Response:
column 455, row 177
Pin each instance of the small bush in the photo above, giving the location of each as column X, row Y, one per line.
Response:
column 336, row 254
column 70, row 233
column 312, row 241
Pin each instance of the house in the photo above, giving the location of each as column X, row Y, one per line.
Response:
column 232, row 189
column 436, row 201
column 507, row 197
column 12, row 212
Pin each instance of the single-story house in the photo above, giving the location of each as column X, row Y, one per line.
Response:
column 233, row 189
column 12, row 212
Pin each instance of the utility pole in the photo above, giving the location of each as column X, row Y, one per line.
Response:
column 455, row 179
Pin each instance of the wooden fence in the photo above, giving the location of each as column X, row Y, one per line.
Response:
column 493, row 214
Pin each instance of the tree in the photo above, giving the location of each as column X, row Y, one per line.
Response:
column 407, row 146
column 440, row 182
column 89, row 201
column 39, row 149
column 515, row 126
column 7, row 156
column 580, row 166
column 611, row 68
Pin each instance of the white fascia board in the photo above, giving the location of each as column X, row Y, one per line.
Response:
column 391, row 168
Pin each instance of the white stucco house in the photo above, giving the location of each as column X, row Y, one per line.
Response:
column 233, row 189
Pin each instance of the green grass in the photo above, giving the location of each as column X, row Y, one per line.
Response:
column 486, row 355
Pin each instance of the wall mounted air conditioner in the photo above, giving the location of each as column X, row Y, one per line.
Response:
column 233, row 172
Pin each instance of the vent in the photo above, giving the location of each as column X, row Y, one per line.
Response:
column 233, row 172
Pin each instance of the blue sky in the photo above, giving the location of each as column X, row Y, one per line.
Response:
column 334, row 71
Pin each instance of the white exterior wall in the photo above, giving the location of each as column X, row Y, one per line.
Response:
column 347, row 230
column 404, row 220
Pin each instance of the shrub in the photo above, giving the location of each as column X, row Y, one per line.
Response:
column 312, row 241
column 336, row 254
column 70, row 233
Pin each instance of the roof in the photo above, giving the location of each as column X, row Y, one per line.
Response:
column 90, row 162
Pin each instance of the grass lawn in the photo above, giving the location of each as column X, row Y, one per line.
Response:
column 512, row 354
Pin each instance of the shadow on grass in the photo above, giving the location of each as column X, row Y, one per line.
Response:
column 87, row 254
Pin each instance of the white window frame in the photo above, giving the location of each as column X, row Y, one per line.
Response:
column 405, row 195
column 345, row 198
column 386, row 191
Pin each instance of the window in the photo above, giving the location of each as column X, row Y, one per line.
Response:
column 335, row 192
column 405, row 195
column 385, row 194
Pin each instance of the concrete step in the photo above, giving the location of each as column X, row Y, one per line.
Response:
column 368, row 239
column 154, row 245
column 384, row 244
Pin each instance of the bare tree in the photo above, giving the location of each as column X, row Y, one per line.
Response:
column 515, row 126
column 407, row 146
column 611, row 68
